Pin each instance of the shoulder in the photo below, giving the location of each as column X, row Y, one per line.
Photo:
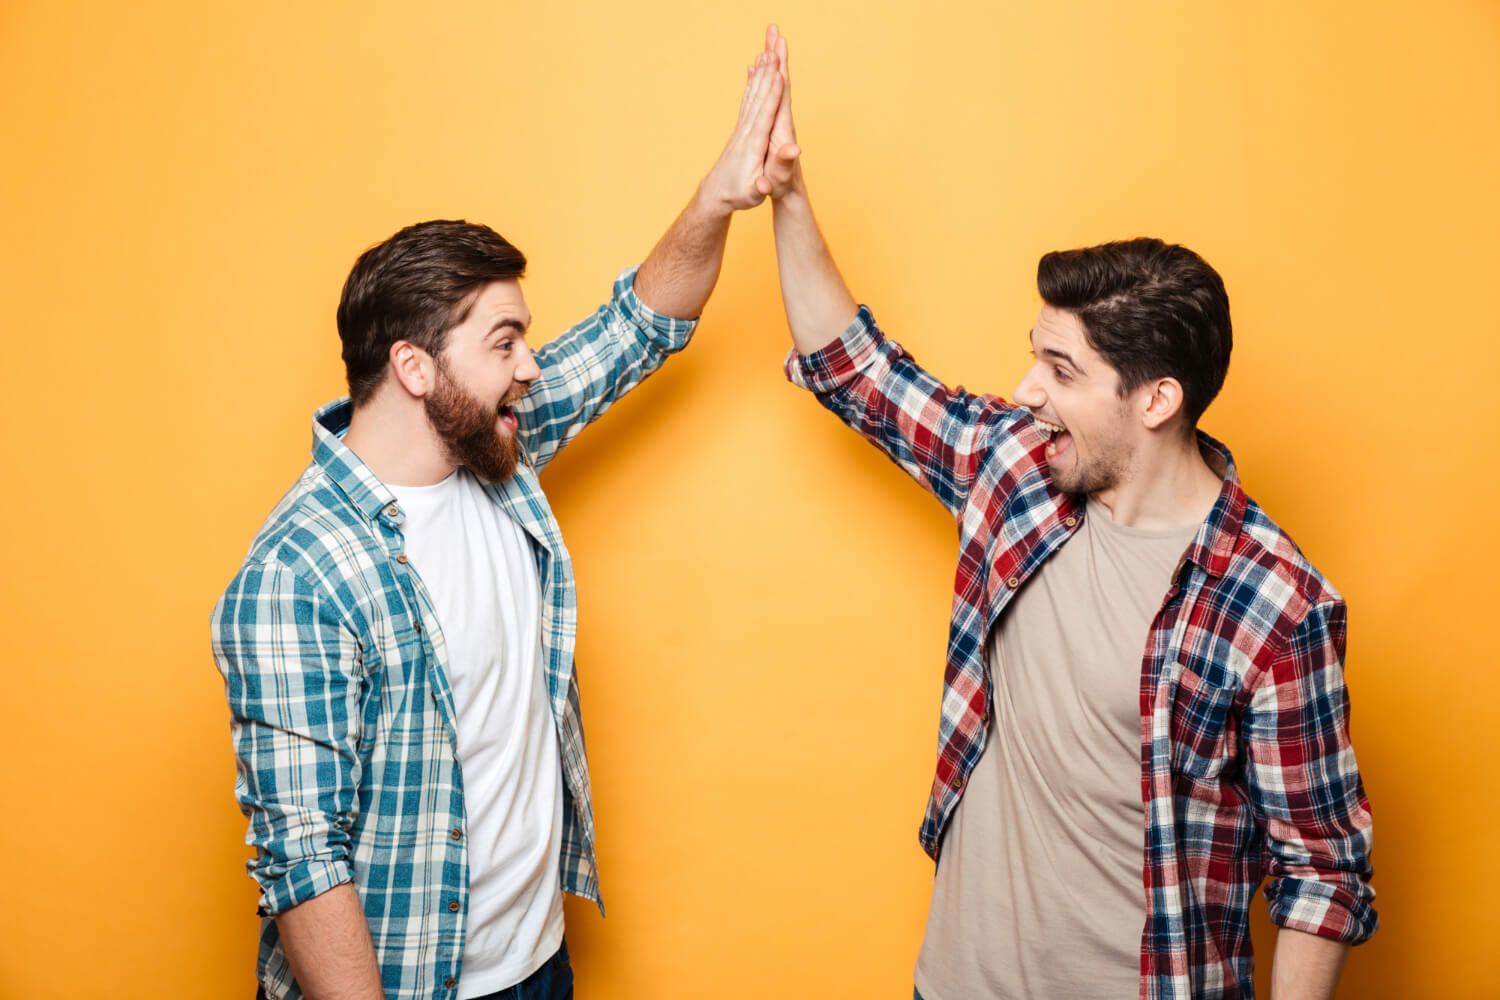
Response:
column 313, row 542
column 1270, row 586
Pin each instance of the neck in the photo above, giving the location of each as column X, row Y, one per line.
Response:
column 394, row 438
column 1169, row 486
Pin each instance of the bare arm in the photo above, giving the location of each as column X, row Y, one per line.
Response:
column 678, row 276
column 327, row 942
column 1306, row 967
column 818, row 304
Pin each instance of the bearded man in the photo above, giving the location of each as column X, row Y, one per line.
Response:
column 397, row 648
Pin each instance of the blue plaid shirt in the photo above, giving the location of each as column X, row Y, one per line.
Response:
column 333, row 664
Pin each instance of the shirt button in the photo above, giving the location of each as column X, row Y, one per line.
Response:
column 1013, row 582
column 457, row 834
column 1071, row 522
column 391, row 510
column 449, row 983
column 402, row 559
column 956, row 782
column 453, row 906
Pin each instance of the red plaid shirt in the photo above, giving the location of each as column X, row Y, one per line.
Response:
column 1246, row 766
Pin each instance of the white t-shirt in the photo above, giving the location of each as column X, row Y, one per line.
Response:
column 478, row 567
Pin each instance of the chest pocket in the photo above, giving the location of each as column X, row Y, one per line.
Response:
column 1202, row 724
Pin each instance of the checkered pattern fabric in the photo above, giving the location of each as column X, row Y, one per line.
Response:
column 333, row 663
column 1246, row 765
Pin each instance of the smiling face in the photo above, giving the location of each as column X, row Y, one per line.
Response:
column 1075, row 396
column 484, row 367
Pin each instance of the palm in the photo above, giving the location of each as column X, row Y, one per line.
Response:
column 735, row 180
column 782, row 151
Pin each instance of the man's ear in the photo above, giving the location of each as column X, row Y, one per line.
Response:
column 1163, row 402
column 413, row 368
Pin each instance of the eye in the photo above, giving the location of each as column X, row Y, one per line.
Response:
column 505, row 345
column 1062, row 374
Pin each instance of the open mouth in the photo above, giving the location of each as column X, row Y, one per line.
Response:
column 508, row 418
column 1047, row 426
column 1059, row 442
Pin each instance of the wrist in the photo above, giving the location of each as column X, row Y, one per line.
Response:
column 708, row 203
column 794, row 195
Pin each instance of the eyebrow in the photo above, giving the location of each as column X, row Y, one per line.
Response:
column 509, row 323
column 1054, row 354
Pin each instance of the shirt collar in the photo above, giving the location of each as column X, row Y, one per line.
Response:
column 350, row 476
column 1213, row 546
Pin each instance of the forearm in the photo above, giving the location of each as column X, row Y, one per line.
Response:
column 1306, row 967
column 327, row 942
column 818, row 304
column 680, row 274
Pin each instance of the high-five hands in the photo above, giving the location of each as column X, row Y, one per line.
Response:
column 737, row 180
column 782, row 166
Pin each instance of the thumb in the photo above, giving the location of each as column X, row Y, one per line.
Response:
column 783, row 163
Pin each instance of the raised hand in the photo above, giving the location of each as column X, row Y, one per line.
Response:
column 736, row 180
column 782, row 164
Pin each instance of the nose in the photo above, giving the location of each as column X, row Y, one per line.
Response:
column 527, row 370
column 1029, row 393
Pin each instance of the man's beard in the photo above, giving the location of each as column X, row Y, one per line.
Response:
column 1106, row 470
column 468, row 430
column 1095, row 478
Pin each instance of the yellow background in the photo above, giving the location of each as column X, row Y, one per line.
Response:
column 764, row 597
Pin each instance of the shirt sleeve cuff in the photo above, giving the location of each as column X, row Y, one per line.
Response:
column 299, row 883
column 1322, row 908
column 667, row 332
column 836, row 364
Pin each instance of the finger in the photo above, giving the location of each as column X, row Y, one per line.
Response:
column 785, row 129
column 765, row 107
column 762, row 184
column 748, row 97
column 782, row 164
column 753, row 89
column 760, row 83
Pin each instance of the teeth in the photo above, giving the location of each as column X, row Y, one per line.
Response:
column 1048, row 427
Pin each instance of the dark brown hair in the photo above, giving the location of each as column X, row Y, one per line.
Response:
column 416, row 286
column 1151, row 309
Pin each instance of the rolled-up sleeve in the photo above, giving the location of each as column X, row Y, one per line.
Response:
column 1305, row 785
column 290, row 671
column 594, row 363
column 931, row 431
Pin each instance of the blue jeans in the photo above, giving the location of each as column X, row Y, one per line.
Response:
column 553, row 981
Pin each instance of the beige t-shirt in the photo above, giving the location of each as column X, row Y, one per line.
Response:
column 1039, row 890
